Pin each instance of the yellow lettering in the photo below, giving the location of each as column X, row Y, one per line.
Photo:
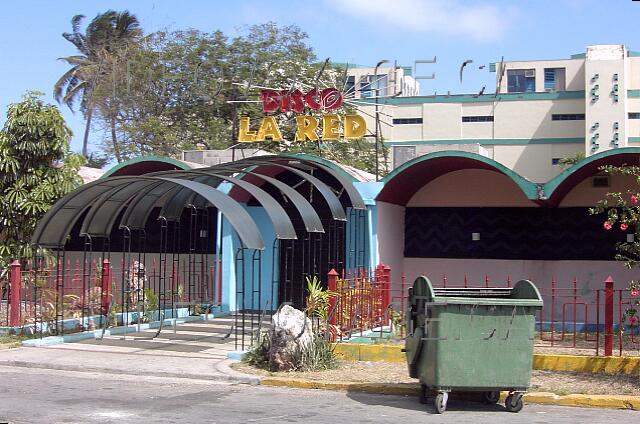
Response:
column 330, row 127
column 244, row 134
column 354, row 127
column 269, row 129
column 306, row 128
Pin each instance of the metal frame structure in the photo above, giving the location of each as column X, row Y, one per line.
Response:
column 307, row 202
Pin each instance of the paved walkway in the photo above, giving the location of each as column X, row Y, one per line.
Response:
column 196, row 350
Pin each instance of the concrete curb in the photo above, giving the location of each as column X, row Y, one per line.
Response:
column 223, row 367
column 413, row 389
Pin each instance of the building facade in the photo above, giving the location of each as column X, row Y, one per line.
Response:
column 542, row 111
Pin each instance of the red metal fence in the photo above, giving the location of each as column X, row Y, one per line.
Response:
column 362, row 301
column 576, row 319
column 59, row 297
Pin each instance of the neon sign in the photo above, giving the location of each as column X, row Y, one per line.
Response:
column 308, row 128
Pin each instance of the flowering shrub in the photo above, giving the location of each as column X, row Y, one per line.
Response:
column 631, row 314
column 623, row 209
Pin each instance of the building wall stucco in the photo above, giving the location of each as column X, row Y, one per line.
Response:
column 585, row 195
column 471, row 188
column 390, row 235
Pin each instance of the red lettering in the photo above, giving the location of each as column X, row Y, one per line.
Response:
column 328, row 99
column 312, row 100
column 270, row 100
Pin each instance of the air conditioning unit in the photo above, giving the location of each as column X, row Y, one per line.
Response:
column 530, row 73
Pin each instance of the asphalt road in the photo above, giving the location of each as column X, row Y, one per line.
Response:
column 30, row 395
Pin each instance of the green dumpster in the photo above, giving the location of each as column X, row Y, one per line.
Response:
column 472, row 339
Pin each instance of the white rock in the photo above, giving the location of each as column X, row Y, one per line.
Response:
column 291, row 333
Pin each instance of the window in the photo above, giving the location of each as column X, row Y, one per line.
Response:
column 403, row 121
column 634, row 115
column 600, row 181
column 554, row 79
column 567, row 117
column 365, row 86
column 349, row 84
column 402, row 154
column 477, row 119
column 369, row 84
column 521, row 80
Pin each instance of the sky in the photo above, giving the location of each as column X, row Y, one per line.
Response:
column 361, row 32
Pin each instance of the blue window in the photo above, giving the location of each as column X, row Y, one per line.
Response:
column 404, row 121
column 521, row 80
column 554, row 79
column 349, row 83
column 567, row 117
column 634, row 115
column 477, row 119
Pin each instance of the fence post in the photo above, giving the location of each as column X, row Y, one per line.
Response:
column 106, row 286
column 386, row 287
column 608, row 316
column 15, row 286
column 332, row 286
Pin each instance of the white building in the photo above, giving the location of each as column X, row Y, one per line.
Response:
column 385, row 81
column 544, row 110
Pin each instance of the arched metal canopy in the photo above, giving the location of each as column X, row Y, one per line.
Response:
column 309, row 216
column 282, row 224
column 54, row 227
column 337, row 212
column 352, row 193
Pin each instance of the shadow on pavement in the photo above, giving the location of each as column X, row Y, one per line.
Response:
column 457, row 402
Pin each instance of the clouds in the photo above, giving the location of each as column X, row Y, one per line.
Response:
column 482, row 22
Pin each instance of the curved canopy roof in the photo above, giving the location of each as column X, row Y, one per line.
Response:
column 558, row 187
column 403, row 182
column 145, row 164
column 175, row 186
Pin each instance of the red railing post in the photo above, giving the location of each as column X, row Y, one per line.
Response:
column 15, row 285
column 386, row 287
column 608, row 316
column 106, row 286
column 332, row 286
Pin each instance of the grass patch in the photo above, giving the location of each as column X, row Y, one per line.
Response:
column 9, row 341
column 318, row 356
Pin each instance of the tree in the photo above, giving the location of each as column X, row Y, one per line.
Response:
column 36, row 169
column 104, row 39
column 623, row 209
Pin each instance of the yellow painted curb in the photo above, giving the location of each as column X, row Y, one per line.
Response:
column 413, row 389
column 587, row 364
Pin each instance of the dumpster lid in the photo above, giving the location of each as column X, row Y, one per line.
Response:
column 523, row 293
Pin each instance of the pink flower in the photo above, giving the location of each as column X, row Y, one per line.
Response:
column 634, row 200
column 607, row 226
column 634, row 293
column 623, row 227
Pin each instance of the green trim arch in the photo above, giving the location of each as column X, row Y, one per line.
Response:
column 556, row 188
column 405, row 180
column 142, row 159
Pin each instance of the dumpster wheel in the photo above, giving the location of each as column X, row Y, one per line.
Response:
column 491, row 398
column 440, row 402
column 514, row 402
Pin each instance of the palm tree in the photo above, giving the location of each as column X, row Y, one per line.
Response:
column 105, row 35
